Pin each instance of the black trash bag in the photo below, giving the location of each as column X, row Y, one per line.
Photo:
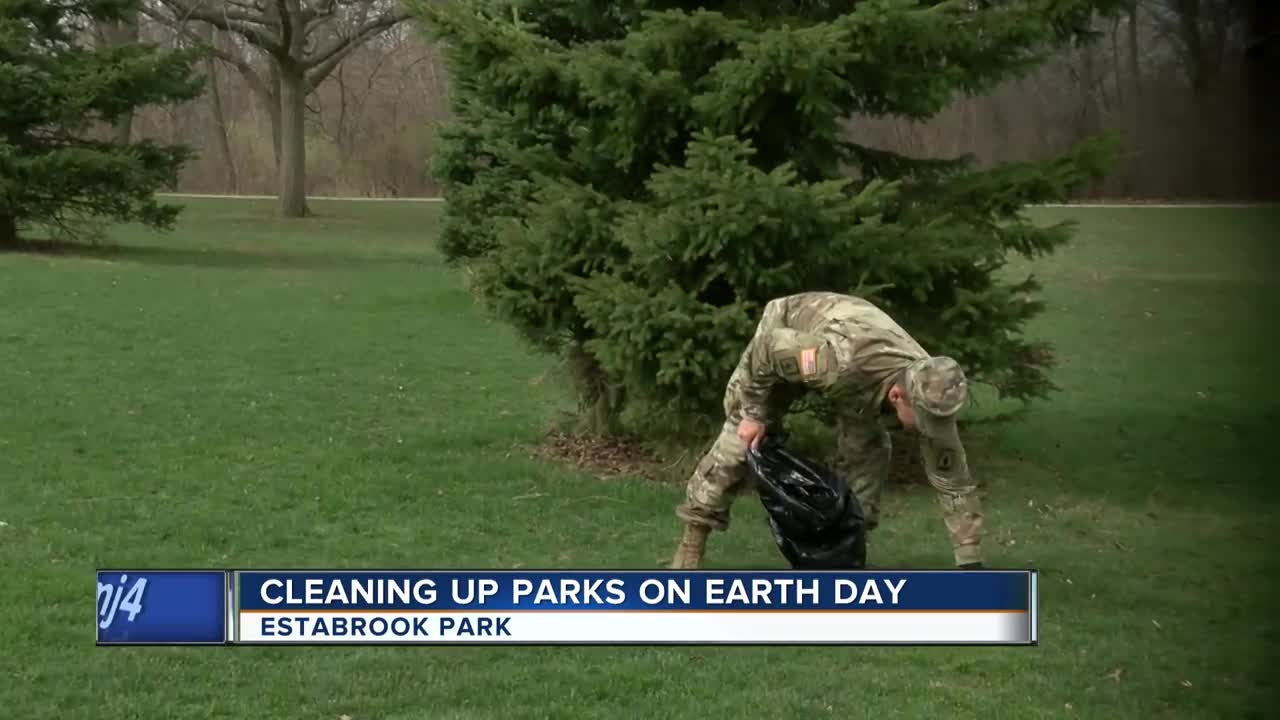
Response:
column 816, row 520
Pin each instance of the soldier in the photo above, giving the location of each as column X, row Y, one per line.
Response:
column 859, row 364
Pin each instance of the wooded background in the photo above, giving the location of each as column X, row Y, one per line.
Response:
column 1179, row 81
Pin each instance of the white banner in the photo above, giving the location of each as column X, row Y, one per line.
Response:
column 639, row 627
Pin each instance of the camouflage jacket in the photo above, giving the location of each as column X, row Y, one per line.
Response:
column 846, row 352
column 844, row 348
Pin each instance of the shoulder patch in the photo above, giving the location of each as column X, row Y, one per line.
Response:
column 809, row 362
column 788, row 366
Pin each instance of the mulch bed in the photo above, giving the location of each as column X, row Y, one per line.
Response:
column 612, row 458
column 600, row 456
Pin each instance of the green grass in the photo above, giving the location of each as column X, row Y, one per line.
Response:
column 248, row 392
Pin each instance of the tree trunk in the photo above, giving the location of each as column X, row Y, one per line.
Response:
column 1135, row 99
column 274, row 104
column 1135, row 66
column 210, row 35
column 1197, row 66
column 1090, row 111
column 1193, row 45
column 1262, row 66
column 119, row 33
column 599, row 405
column 292, row 174
column 126, row 33
column 220, row 119
column 8, row 231
column 124, row 129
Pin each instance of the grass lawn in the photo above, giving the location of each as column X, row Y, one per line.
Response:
column 247, row 392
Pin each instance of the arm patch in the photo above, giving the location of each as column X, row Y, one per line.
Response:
column 946, row 458
column 798, row 366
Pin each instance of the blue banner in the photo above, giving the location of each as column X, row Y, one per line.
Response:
column 942, row 590
column 162, row 607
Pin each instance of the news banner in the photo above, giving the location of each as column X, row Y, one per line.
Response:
column 454, row 607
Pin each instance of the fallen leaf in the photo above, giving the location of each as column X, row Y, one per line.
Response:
column 344, row 717
column 1115, row 674
column 1067, row 706
column 1121, row 546
column 1186, row 683
column 1069, row 581
column 1157, row 624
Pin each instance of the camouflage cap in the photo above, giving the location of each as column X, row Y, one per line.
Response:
column 937, row 389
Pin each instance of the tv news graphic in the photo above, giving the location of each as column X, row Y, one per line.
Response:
column 456, row 607
column 634, row 607
column 163, row 607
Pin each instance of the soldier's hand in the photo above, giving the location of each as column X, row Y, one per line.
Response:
column 750, row 432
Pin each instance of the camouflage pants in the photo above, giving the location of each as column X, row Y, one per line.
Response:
column 863, row 455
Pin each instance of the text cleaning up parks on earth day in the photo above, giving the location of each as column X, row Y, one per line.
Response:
column 569, row 591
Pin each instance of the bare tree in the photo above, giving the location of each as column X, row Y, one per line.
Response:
column 304, row 40
column 210, row 35
column 370, row 123
column 118, row 33
column 1261, row 69
column 1135, row 65
column 1202, row 32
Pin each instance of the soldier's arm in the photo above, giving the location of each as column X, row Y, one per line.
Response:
column 759, row 377
column 948, row 471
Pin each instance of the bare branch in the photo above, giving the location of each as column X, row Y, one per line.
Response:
column 255, row 29
column 285, row 16
column 250, row 75
column 255, row 7
column 322, row 14
column 328, row 57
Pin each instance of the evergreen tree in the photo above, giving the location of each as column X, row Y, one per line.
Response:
column 54, row 89
column 632, row 181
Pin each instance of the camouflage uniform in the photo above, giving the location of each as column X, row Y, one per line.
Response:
column 848, row 353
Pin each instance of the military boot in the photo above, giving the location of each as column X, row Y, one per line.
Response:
column 692, row 546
